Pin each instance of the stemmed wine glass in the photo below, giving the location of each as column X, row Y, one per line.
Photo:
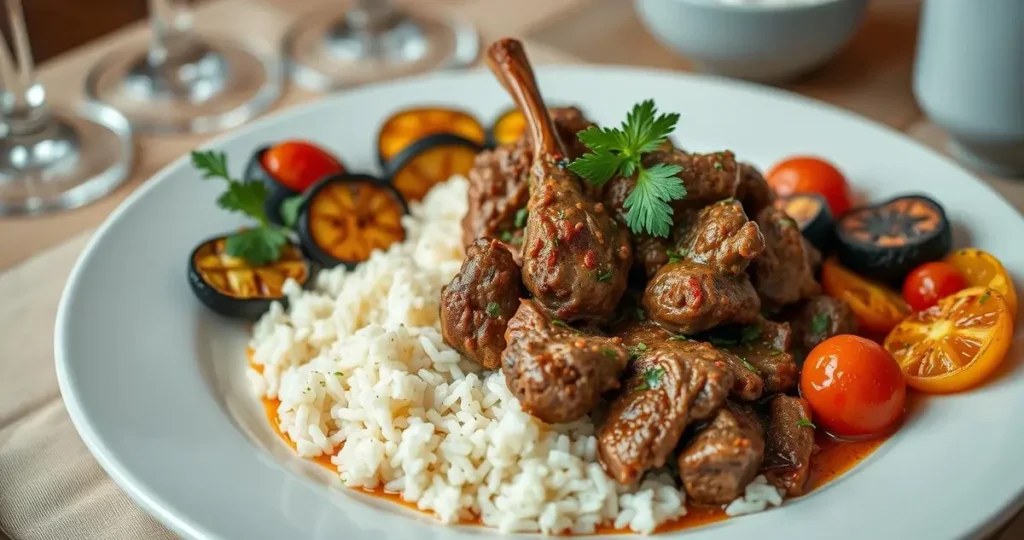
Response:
column 52, row 157
column 351, row 42
column 182, row 82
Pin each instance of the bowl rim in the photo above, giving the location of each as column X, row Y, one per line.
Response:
column 758, row 8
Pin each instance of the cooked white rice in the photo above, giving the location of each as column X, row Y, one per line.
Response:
column 359, row 363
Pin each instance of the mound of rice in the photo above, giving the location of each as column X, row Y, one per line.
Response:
column 358, row 363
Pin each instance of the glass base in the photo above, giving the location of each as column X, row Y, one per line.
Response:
column 216, row 84
column 326, row 51
column 74, row 159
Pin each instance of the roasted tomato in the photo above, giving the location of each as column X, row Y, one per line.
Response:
column 430, row 160
column 955, row 344
column 930, row 282
column 406, row 127
column 854, row 386
column 982, row 269
column 288, row 169
column 877, row 308
column 346, row 217
column 811, row 175
column 888, row 240
column 232, row 287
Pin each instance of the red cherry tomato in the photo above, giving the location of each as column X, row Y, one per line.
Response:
column 297, row 165
column 854, row 386
column 811, row 175
column 931, row 282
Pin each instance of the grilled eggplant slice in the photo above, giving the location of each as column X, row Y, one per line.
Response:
column 812, row 215
column 233, row 288
column 405, row 127
column 888, row 240
column 430, row 160
column 345, row 217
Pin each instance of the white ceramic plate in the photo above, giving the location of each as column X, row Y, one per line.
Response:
column 155, row 385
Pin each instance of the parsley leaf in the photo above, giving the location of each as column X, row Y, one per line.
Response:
column 610, row 353
column 819, row 324
column 652, row 378
column 620, row 151
column 559, row 323
column 493, row 309
column 750, row 333
column 805, row 422
column 678, row 337
column 521, row 216
column 258, row 245
column 603, row 276
column 637, row 350
column 675, row 256
column 290, row 210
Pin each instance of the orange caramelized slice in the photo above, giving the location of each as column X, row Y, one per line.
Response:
column 235, row 278
column 981, row 269
column 346, row 217
column 509, row 127
column 404, row 128
column 955, row 344
column 877, row 308
column 431, row 160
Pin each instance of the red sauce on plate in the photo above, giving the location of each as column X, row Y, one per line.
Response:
column 833, row 459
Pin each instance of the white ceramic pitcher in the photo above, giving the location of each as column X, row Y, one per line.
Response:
column 969, row 79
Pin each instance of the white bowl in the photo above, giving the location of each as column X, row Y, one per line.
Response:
column 762, row 42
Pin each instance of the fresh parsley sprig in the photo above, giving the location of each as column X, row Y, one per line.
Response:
column 620, row 151
column 258, row 245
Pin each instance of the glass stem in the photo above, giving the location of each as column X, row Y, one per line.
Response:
column 171, row 21
column 23, row 101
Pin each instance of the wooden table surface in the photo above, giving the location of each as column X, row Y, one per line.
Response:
column 872, row 77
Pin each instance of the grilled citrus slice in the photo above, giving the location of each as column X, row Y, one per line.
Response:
column 430, row 160
column 405, row 127
column 344, row 218
column 234, row 288
column 955, row 344
column 877, row 308
column 982, row 269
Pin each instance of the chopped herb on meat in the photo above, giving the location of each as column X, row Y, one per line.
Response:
column 750, row 367
column 679, row 337
column 718, row 165
column 493, row 309
column 819, row 324
column 603, row 276
column 774, row 352
column 640, row 314
column 559, row 323
column 750, row 333
column 521, row 216
column 675, row 256
column 609, row 352
column 639, row 349
column 805, row 422
column 652, row 378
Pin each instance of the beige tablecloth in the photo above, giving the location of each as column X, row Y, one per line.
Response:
column 51, row 488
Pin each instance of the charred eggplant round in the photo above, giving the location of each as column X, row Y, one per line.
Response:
column 408, row 126
column 288, row 169
column 888, row 240
column 234, row 288
column 430, row 160
column 345, row 217
column 812, row 215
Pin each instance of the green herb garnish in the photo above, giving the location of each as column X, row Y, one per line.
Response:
column 637, row 350
column 603, row 276
column 719, row 166
column 609, row 352
column 559, row 323
column 984, row 298
column 805, row 422
column 675, row 256
column 493, row 310
column 750, row 333
column 620, row 150
column 257, row 245
column 750, row 367
column 679, row 337
column 652, row 377
column 722, row 342
column 819, row 324
column 521, row 216
column 290, row 210
column 774, row 352
column 640, row 314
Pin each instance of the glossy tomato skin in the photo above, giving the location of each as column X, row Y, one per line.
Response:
column 854, row 386
column 931, row 282
column 802, row 174
column 297, row 165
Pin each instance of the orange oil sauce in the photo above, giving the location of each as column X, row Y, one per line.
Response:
column 832, row 460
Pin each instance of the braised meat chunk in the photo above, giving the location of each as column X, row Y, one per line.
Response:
column 633, row 332
column 576, row 257
column 687, row 298
column 479, row 301
column 669, row 385
column 768, row 354
column 720, row 236
column 790, row 444
column 820, row 318
column 724, row 456
column 783, row 274
column 499, row 183
column 754, row 192
column 557, row 373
